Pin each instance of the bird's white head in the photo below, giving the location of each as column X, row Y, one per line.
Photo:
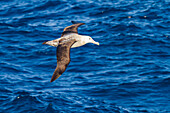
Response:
column 88, row 39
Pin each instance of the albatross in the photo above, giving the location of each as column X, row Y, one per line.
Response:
column 69, row 39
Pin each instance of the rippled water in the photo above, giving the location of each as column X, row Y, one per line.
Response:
column 128, row 72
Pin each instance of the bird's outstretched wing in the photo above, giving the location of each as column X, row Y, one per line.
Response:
column 72, row 28
column 63, row 57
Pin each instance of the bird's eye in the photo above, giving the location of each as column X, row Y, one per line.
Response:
column 89, row 38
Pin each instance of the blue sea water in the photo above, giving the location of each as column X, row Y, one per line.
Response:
column 128, row 73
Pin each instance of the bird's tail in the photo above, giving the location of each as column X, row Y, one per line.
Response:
column 44, row 42
column 51, row 43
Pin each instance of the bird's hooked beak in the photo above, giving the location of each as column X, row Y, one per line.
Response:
column 94, row 42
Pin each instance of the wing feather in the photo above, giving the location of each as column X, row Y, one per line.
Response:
column 63, row 58
column 71, row 29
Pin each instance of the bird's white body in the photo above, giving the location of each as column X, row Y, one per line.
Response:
column 81, row 40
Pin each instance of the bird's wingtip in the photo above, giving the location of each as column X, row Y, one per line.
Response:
column 54, row 77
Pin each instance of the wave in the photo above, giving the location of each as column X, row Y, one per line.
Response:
column 24, row 102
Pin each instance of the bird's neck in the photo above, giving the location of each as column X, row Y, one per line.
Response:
column 80, row 42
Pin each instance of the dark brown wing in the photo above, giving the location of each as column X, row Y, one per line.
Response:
column 71, row 29
column 63, row 58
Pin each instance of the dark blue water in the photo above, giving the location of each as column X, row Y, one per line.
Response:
column 128, row 73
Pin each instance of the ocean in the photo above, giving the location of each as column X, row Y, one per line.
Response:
column 129, row 72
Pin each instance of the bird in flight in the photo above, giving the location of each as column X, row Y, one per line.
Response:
column 69, row 39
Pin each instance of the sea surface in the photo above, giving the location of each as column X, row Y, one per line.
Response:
column 128, row 73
